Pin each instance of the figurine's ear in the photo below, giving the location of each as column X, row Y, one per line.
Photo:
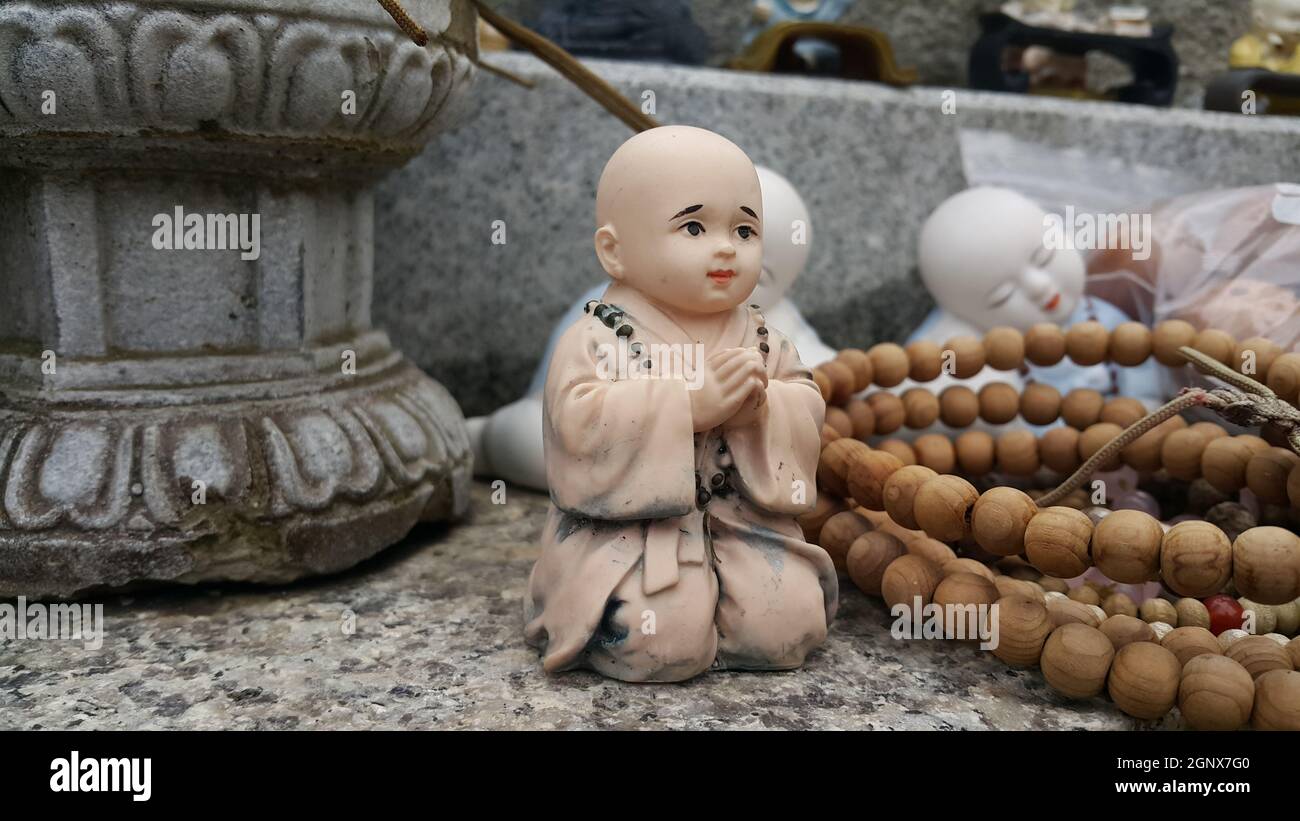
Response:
column 607, row 251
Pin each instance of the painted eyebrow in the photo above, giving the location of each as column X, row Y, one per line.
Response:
column 690, row 209
column 749, row 211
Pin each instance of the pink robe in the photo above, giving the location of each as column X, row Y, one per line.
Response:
column 668, row 552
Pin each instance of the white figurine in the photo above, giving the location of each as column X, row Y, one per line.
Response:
column 985, row 258
column 508, row 443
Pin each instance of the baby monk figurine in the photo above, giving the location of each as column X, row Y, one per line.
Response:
column 682, row 438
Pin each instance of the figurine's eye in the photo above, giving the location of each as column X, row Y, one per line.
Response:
column 1002, row 294
column 694, row 228
column 746, row 232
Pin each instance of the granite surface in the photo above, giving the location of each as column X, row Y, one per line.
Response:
column 437, row 643
column 871, row 162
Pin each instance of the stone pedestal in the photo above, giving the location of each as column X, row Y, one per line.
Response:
column 206, row 414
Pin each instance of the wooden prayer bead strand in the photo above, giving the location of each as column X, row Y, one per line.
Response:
column 859, row 362
column 1045, row 344
column 889, row 363
column 925, row 361
column 1284, row 377
column 967, row 354
column 1040, row 403
column 1130, row 344
column 1168, row 337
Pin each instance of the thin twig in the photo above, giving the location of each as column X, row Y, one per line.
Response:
column 404, row 21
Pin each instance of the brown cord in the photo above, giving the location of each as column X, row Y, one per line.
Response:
column 1251, row 406
column 413, row 29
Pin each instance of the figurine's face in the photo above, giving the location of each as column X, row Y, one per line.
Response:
column 984, row 257
column 787, row 237
column 681, row 216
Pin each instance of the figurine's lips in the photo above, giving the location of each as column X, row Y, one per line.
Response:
column 722, row 276
column 1053, row 302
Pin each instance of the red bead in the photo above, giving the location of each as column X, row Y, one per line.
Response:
column 1225, row 613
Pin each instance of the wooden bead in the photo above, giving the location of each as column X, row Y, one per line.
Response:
column 839, row 421
column 823, row 383
column 829, row 434
column 936, row 451
column 967, row 355
column 1265, row 620
column 1085, row 595
column 1087, row 342
column 840, row 532
column 1215, row 693
column 1008, row 586
column 889, row 364
column 1266, row 565
column 1284, row 376
column 867, row 475
column 1130, row 344
column 1126, row 547
column 943, row 505
column 1144, row 680
column 1267, row 473
column 1168, row 337
column 1044, row 344
column 1094, row 438
column 1067, row 611
column 1224, row 461
column 920, row 408
column 962, row 590
column 868, row 557
column 907, row 577
column 1216, row 344
column 1017, row 568
column 975, row 453
column 1040, row 403
column 1259, row 655
column 1186, row 643
column 1181, row 452
column 925, row 360
column 1081, row 407
column 862, row 417
column 1059, row 450
column 1123, row 629
column 1056, row 542
column 1143, row 453
column 1122, row 411
column 900, row 449
column 1153, row 610
column 833, row 466
column 999, row 403
column 958, row 406
column 1211, row 430
column 1076, row 660
column 1195, row 559
column 842, row 381
column 1288, row 617
column 1023, row 628
column 1293, row 487
column 1119, row 604
column 900, row 493
column 1277, row 701
column 888, row 410
column 1255, row 356
column 1004, row 348
column 1293, row 649
column 812, row 522
column 858, row 361
column 968, row 566
column 1017, row 452
column 1053, row 585
column 999, row 520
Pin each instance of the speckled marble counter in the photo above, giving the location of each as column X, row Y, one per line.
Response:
column 437, row 644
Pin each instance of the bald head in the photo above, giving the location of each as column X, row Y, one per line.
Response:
column 666, row 157
column 679, row 211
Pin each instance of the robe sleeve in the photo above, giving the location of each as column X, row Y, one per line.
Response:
column 776, row 457
column 618, row 445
